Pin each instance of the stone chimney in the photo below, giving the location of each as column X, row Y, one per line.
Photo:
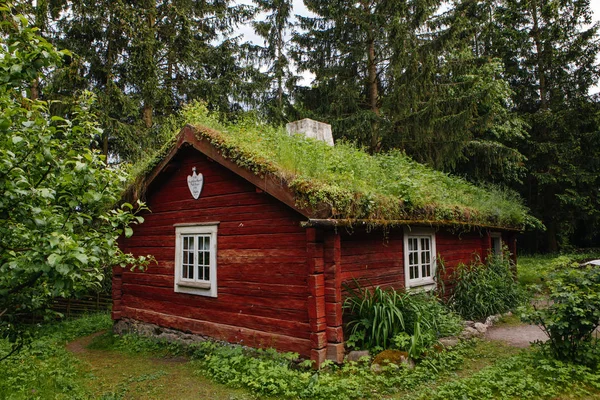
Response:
column 312, row 129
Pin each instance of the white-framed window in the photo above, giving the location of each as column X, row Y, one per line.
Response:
column 419, row 257
column 496, row 243
column 196, row 259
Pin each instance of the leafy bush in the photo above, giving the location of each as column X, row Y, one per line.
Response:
column 485, row 289
column 268, row 373
column 572, row 315
column 377, row 318
column 529, row 375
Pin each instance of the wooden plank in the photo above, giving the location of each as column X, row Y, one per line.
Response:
column 232, row 334
column 275, row 307
column 266, row 324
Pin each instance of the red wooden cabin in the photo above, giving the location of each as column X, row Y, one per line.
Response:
column 244, row 263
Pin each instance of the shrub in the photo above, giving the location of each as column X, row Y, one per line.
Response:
column 572, row 315
column 375, row 316
column 378, row 318
column 485, row 289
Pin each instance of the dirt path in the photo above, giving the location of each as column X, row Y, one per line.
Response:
column 516, row 335
column 78, row 346
column 122, row 375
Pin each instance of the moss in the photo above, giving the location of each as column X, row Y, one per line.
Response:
column 390, row 357
column 353, row 185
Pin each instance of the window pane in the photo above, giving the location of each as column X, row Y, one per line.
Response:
column 426, row 271
column 207, row 243
column 184, row 272
column 412, row 258
column 425, row 256
column 206, row 273
column 425, row 244
column 190, row 269
column 206, row 258
column 413, row 272
column 412, row 244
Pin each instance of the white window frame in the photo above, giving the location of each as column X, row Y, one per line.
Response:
column 426, row 283
column 496, row 236
column 196, row 286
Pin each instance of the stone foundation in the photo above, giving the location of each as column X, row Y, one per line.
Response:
column 127, row 325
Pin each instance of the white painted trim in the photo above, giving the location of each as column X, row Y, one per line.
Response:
column 191, row 287
column 496, row 235
column 196, row 224
column 423, row 283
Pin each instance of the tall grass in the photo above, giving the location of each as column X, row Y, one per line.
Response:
column 485, row 289
column 355, row 184
column 376, row 317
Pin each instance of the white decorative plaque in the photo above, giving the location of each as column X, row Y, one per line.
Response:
column 195, row 182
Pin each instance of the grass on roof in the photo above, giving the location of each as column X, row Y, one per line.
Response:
column 357, row 185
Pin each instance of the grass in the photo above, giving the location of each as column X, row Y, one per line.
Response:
column 352, row 184
column 129, row 367
column 46, row 369
column 534, row 269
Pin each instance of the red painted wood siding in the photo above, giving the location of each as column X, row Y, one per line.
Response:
column 261, row 262
column 377, row 259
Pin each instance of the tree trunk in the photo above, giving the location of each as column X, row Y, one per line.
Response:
column 373, row 93
column 35, row 89
column 147, row 115
column 541, row 67
column 105, row 146
column 551, row 236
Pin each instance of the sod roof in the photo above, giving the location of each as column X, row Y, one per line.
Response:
column 344, row 184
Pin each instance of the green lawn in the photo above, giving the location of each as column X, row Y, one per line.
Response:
column 65, row 362
column 533, row 269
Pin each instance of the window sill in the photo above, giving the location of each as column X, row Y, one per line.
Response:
column 195, row 285
column 422, row 286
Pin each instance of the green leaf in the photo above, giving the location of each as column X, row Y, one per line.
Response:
column 128, row 232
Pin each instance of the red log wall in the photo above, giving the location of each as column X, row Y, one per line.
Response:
column 377, row 258
column 261, row 262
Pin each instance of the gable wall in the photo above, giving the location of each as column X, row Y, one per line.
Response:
column 261, row 262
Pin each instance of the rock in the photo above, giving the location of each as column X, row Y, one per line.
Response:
column 469, row 333
column 491, row 320
column 145, row 330
column 449, row 341
column 508, row 314
column 481, row 328
column 356, row 355
column 469, row 323
column 169, row 337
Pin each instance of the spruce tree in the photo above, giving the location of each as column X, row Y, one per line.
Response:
column 549, row 50
column 144, row 60
column 275, row 30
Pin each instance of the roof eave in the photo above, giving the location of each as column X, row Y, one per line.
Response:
column 332, row 223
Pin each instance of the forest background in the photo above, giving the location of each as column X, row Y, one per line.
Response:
column 496, row 91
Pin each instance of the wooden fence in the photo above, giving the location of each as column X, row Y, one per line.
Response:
column 83, row 305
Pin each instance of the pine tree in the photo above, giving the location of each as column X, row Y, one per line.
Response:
column 394, row 74
column 549, row 50
column 146, row 59
column 274, row 56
